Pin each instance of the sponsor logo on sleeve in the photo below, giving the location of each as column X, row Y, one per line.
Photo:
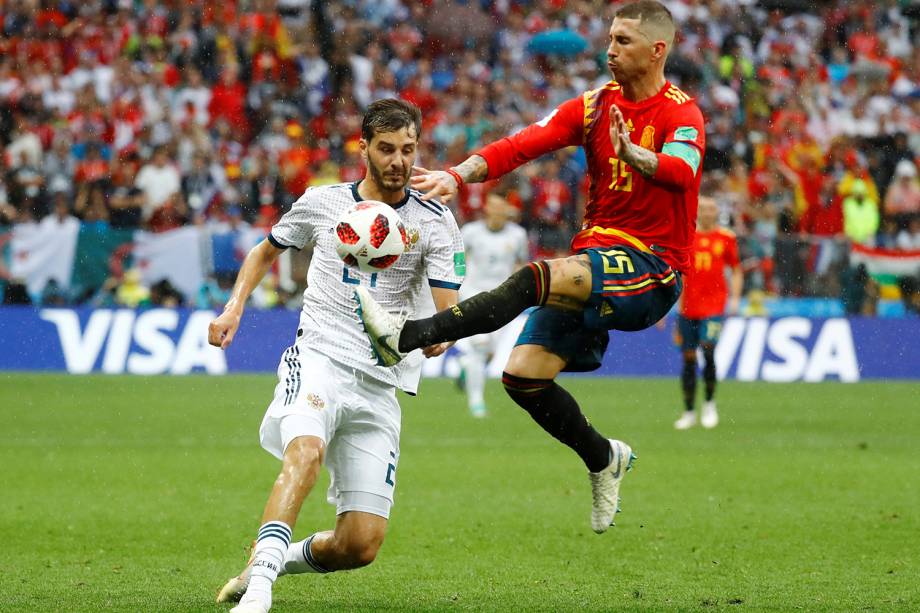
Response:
column 460, row 264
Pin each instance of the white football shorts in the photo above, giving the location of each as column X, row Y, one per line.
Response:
column 357, row 416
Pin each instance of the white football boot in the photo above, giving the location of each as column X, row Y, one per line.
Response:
column 710, row 416
column 686, row 421
column 479, row 410
column 381, row 327
column 605, row 486
column 234, row 589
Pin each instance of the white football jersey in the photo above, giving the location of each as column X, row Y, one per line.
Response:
column 328, row 321
column 491, row 257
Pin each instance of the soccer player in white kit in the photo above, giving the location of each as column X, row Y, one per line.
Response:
column 333, row 403
column 495, row 248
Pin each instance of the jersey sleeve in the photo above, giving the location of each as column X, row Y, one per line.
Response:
column 467, row 233
column 682, row 153
column 445, row 259
column 563, row 127
column 297, row 227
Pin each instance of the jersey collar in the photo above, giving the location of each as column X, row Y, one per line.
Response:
column 623, row 102
column 358, row 198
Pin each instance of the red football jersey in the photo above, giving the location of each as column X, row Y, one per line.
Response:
column 656, row 214
column 705, row 289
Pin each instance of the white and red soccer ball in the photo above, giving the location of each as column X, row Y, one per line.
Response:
column 370, row 236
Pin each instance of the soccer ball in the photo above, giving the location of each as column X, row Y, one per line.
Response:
column 370, row 236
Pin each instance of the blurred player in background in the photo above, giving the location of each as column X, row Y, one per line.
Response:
column 702, row 305
column 495, row 248
column 644, row 141
column 333, row 404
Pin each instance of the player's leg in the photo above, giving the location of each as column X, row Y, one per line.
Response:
column 362, row 461
column 710, row 415
column 297, row 424
column 474, row 359
column 688, row 331
column 353, row 543
column 303, row 458
column 529, row 379
column 553, row 340
column 709, row 335
column 564, row 283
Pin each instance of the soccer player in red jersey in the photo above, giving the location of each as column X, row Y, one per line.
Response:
column 644, row 141
column 702, row 305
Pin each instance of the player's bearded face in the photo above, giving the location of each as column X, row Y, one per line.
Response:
column 390, row 156
column 628, row 55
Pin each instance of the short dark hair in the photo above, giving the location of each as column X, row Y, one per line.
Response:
column 648, row 11
column 389, row 115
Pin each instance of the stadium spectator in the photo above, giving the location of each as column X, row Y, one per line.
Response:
column 908, row 239
column 126, row 199
column 553, row 205
column 164, row 294
column 860, row 215
column 159, row 180
column 902, row 201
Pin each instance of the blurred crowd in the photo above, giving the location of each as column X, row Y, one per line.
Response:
column 153, row 115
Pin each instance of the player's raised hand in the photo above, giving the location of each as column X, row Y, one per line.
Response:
column 434, row 184
column 222, row 330
column 619, row 132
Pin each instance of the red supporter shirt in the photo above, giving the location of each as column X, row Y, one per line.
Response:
column 656, row 214
column 705, row 288
column 550, row 199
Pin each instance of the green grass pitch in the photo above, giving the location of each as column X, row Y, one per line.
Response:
column 141, row 494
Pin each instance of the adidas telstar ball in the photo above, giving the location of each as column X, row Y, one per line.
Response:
column 370, row 236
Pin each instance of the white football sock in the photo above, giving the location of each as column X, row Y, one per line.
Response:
column 271, row 545
column 299, row 558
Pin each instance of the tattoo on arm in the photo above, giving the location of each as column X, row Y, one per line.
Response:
column 642, row 160
column 473, row 170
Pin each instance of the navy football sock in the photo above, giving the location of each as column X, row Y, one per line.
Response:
column 709, row 372
column 557, row 412
column 485, row 312
column 688, row 382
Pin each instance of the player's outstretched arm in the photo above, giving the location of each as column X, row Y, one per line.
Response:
column 222, row 330
column 444, row 184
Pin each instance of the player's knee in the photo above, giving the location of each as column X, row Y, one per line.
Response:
column 363, row 554
column 518, row 366
column 690, row 356
column 360, row 551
